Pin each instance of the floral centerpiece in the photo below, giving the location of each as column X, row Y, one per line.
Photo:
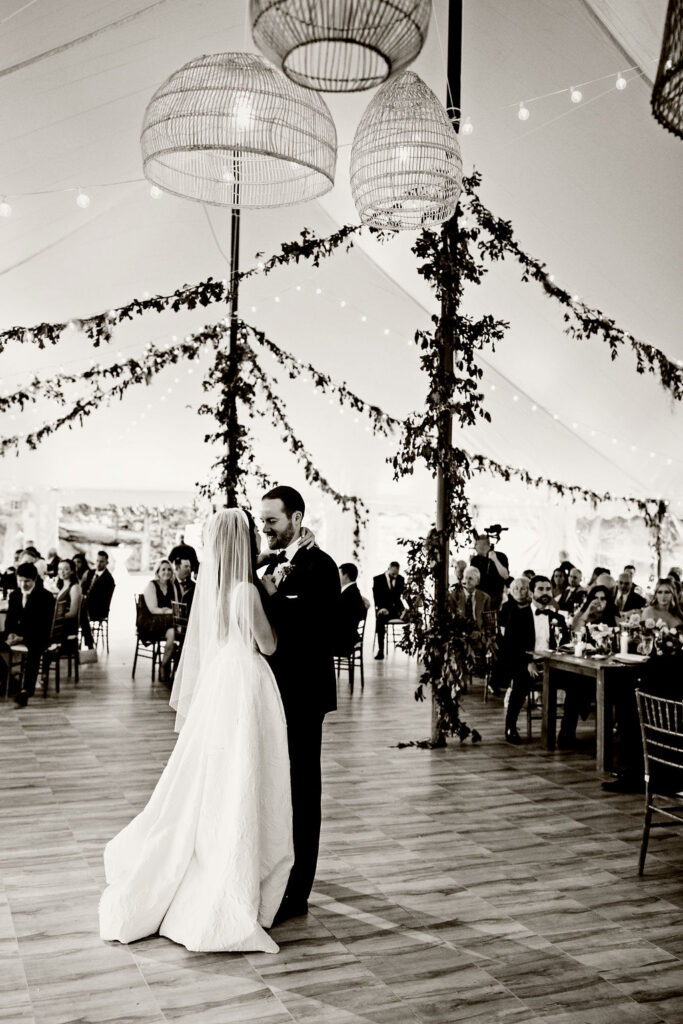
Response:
column 654, row 637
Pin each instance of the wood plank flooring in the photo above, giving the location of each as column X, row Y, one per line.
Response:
column 482, row 884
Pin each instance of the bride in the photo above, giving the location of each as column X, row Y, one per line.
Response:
column 207, row 861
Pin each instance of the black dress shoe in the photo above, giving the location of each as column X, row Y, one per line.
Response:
column 21, row 698
column 512, row 736
column 625, row 784
column 566, row 742
column 290, row 908
column 379, row 656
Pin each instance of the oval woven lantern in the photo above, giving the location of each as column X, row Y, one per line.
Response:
column 232, row 130
column 340, row 45
column 406, row 167
column 667, row 94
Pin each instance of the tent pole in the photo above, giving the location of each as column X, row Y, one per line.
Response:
column 229, row 401
column 449, row 235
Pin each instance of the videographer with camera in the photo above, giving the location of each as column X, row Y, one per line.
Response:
column 493, row 566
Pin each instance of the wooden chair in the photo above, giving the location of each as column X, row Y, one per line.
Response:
column 63, row 643
column 180, row 617
column 661, row 725
column 145, row 646
column 355, row 656
column 394, row 630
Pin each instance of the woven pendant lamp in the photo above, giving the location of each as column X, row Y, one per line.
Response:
column 340, row 45
column 406, row 168
column 232, row 130
column 667, row 94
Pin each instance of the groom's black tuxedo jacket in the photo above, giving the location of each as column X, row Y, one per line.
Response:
column 304, row 613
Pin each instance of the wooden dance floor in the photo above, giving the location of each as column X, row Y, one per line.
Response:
column 480, row 884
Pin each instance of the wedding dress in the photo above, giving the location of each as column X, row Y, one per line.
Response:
column 207, row 861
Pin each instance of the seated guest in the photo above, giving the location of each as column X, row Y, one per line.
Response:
column 598, row 607
column 597, row 571
column 32, row 555
column 183, row 584
column 566, row 565
column 574, row 595
column 82, row 567
column 529, row 628
column 183, row 550
column 98, row 590
column 28, row 622
column 155, row 620
column 559, row 582
column 69, row 595
column 52, row 562
column 387, row 591
column 627, row 600
column 519, row 597
column 353, row 608
column 8, row 580
column 469, row 602
column 664, row 605
column 458, row 570
column 529, row 573
column 608, row 582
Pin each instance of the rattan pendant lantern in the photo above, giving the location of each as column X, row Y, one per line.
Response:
column 230, row 129
column 667, row 94
column 406, row 167
column 340, row 45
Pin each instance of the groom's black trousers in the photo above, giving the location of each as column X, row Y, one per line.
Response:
column 304, row 736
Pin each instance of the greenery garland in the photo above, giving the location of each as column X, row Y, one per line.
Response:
column 583, row 321
column 99, row 327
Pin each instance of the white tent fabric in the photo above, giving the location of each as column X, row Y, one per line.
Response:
column 593, row 189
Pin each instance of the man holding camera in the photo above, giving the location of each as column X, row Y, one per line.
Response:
column 493, row 566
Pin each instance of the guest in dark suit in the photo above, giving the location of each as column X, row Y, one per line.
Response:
column 627, row 599
column 183, row 584
column 28, row 622
column 493, row 566
column 574, row 595
column 303, row 605
column 387, row 592
column 183, row 550
column 529, row 628
column 467, row 601
column 98, row 589
column 353, row 608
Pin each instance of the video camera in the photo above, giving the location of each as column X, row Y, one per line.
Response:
column 495, row 530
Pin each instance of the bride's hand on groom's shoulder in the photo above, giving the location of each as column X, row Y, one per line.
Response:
column 307, row 538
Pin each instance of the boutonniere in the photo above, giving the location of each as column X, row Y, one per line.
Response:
column 282, row 572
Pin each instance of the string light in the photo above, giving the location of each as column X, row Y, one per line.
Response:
column 523, row 112
column 82, row 199
column 467, row 126
column 156, row 192
column 620, row 83
column 575, row 94
column 5, row 209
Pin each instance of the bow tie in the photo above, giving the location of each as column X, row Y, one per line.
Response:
column 543, row 611
column 278, row 559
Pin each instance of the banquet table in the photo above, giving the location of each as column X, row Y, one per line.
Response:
column 608, row 673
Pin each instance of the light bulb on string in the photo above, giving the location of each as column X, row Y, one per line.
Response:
column 82, row 199
column 621, row 82
column 575, row 94
column 467, row 126
column 523, row 112
column 5, row 209
column 156, row 192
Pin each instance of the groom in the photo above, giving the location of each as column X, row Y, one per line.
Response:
column 303, row 590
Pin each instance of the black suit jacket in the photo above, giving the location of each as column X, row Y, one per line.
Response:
column 517, row 644
column 633, row 602
column 389, row 598
column 351, row 612
column 184, row 596
column 571, row 599
column 97, row 593
column 303, row 612
column 34, row 622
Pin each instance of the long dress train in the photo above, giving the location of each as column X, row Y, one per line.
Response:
column 207, row 860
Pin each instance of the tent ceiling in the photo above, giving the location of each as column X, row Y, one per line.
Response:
column 594, row 190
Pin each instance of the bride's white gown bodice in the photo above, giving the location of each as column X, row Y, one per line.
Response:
column 207, row 861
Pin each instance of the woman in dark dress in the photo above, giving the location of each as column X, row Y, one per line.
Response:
column 68, row 598
column 157, row 616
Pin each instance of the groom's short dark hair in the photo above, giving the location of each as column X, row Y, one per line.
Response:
column 350, row 570
column 291, row 499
